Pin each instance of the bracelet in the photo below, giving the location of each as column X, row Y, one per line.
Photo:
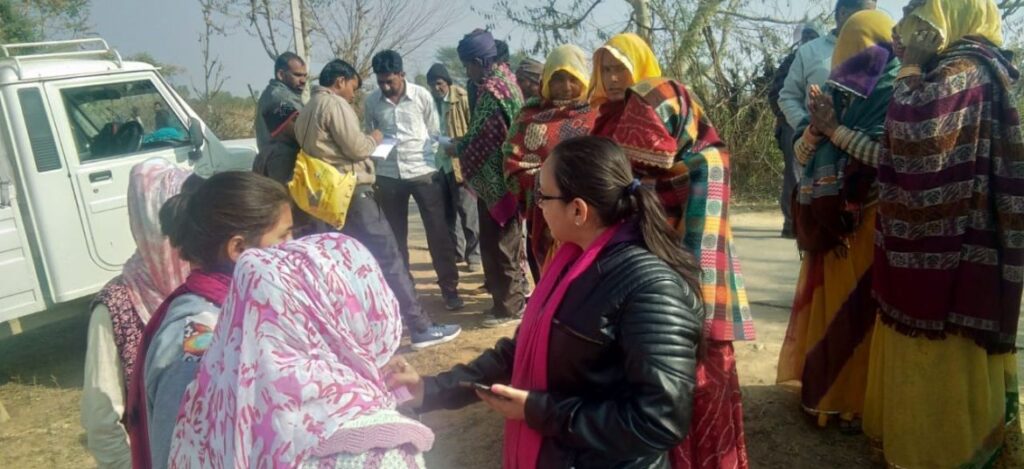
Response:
column 804, row 151
column 908, row 71
column 843, row 136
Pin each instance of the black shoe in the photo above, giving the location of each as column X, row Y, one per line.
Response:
column 491, row 321
column 453, row 302
column 788, row 233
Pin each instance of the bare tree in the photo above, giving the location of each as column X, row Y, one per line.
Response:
column 213, row 68
column 349, row 29
column 712, row 44
column 1010, row 7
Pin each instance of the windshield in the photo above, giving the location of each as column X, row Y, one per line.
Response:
column 115, row 119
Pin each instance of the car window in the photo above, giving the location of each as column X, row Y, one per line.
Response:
column 118, row 119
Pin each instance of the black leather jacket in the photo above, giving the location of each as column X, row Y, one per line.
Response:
column 621, row 367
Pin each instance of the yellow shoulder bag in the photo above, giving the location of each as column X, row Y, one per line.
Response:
column 321, row 190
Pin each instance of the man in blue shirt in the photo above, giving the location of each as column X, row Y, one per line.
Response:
column 406, row 112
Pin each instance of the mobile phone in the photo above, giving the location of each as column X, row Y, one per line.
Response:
column 476, row 386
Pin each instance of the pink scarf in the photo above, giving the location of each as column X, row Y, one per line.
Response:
column 297, row 355
column 213, row 287
column 530, row 370
column 155, row 270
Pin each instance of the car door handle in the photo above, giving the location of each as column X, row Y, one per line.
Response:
column 100, row 176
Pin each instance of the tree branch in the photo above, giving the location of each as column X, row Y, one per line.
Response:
column 763, row 19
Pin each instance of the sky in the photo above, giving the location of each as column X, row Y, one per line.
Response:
column 131, row 27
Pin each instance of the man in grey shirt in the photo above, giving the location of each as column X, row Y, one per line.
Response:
column 406, row 112
column 283, row 95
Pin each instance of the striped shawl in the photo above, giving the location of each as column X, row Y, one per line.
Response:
column 950, row 231
column 673, row 146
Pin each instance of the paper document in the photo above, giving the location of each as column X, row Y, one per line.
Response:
column 384, row 149
column 444, row 140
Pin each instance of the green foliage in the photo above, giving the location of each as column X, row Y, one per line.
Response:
column 227, row 115
column 36, row 20
column 15, row 24
column 755, row 160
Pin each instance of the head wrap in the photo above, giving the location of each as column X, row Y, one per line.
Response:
column 863, row 52
column 569, row 59
column 634, row 53
column 438, row 71
column 956, row 19
column 531, row 69
column 296, row 358
column 478, row 46
column 155, row 270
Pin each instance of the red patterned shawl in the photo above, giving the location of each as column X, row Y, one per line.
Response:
column 674, row 147
column 540, row 126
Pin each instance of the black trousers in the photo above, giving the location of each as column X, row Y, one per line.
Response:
column 784, row 137
column 428, row 191
column 368, row 225
column 502, row 249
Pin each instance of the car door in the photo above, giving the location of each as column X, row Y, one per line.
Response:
column 20, row 292
column 106, row 127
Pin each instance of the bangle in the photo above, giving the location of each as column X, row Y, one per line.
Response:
column 804, row 151
column 908, row 71
column 842, row 136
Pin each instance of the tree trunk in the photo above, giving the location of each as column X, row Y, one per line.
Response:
column 693, row 34
column 644, row 24
column 300, row 31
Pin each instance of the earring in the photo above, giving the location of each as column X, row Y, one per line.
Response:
column 578, row 222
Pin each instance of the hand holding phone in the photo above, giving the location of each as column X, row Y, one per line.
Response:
column 478, row 387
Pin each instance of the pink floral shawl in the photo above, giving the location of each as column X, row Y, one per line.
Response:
column 155, row 270
column 297, row 353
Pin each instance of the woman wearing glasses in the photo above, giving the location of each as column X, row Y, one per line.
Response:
column 602, row 370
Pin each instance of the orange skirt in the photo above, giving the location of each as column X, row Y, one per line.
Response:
column 828, row 341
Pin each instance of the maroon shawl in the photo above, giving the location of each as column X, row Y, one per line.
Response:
column 950, row 232
column 213, row 287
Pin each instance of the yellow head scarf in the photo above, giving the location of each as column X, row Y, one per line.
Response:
column 955, row 19
column 863, row 52
column 634, row 53
column 569, row 59
column 864, row 29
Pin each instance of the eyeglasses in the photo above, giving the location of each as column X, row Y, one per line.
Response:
column 540, row 197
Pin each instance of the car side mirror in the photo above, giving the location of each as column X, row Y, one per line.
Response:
column 196, row 138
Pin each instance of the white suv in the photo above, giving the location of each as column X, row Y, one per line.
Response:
column 74, row 119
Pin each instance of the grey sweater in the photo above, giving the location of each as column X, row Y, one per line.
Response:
column 171, row 365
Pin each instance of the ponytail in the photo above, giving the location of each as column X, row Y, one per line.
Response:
column 596, row 170
column 662, row 239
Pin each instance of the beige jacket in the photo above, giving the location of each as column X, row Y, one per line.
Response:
column 328, row 128
column 458, row 114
